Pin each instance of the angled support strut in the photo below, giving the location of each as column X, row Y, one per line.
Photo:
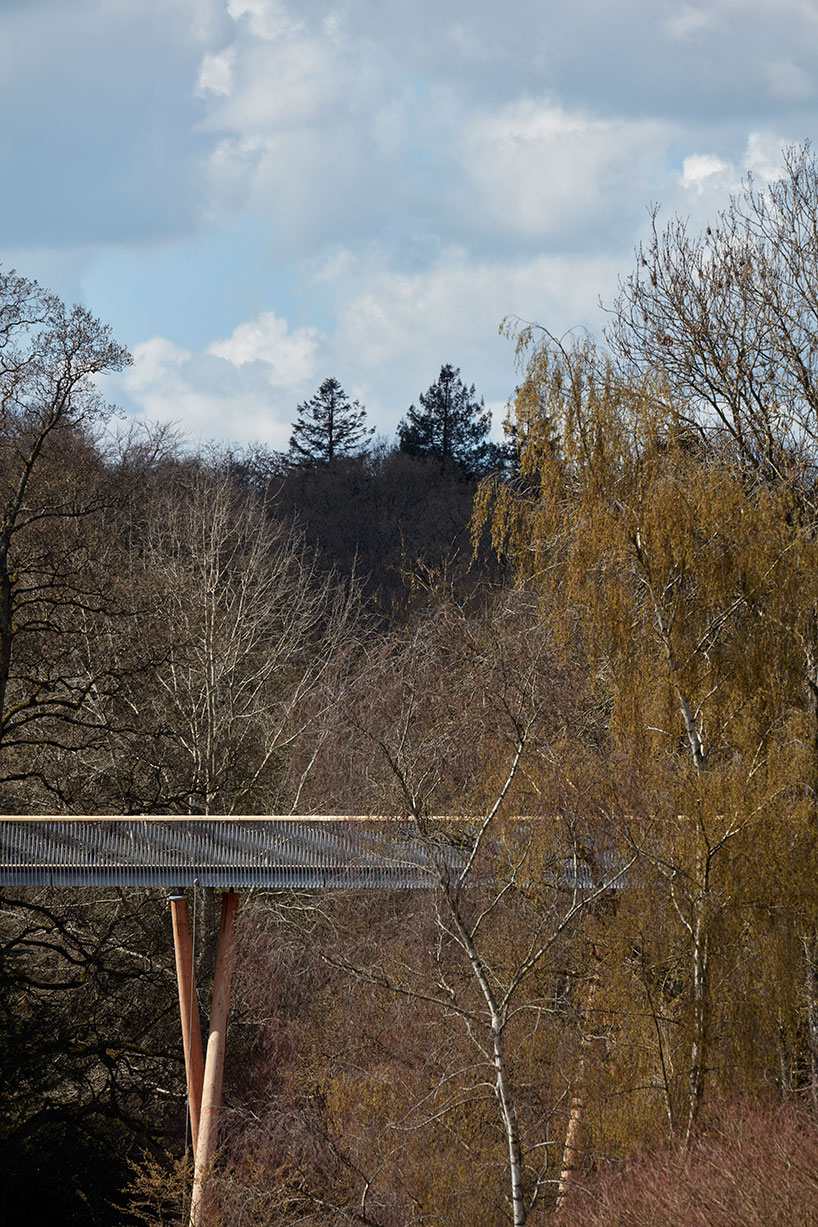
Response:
column 188, row 1011
column 214, row 1063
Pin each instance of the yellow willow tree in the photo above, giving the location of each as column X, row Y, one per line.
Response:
column 689, row 582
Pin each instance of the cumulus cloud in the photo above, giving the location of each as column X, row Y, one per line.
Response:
column 243, row 388
column 762, row 157
column 266, row 19
column 216, row 73
column 707, row 180
column 393, row 330
column 288, row 357
column 280, row 124
column 687, row 21
column 278, row 84
column 401, row 326
column 537, row 169
column 344, row 125
column 336, row 165
column 713, row 177
column 700, row 169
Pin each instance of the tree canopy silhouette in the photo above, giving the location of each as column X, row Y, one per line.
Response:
column 449, row 425
column 329, row 425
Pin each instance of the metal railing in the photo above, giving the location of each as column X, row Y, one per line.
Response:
column 275, row 852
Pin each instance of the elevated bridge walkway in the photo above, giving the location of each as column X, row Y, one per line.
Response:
column 281, row 852
column 232, row 854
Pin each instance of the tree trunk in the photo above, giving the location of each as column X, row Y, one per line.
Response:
column 810, row 947
column 515, row 1150
column 188, row 1011
column 572, row 1149
column 502, row 1086
column 698, row 1043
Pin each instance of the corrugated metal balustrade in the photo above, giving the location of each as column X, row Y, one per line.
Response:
column 291, row 852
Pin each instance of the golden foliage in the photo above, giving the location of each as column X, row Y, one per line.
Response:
column 687, row 581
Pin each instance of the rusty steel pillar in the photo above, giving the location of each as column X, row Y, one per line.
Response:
column 214, row 1063
column 188, row 1011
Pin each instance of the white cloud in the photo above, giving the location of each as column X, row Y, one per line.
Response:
column 762, row 157
column 216, row 74
column 277, row 85
column 712, row 179
column 405, row 191
column 151, row 359
column 244, row 388
column 460, row 302
column 539, row 170
column 397, row 328
column 699, row 169
column 288, row 357
column 228, row 174
column 267, row 19
column 340, row 126
column 394, row 330
column 687, row 22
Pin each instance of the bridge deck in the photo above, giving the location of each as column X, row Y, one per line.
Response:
column 272, row 852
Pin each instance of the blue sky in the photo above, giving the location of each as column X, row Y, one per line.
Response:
column 257, row 194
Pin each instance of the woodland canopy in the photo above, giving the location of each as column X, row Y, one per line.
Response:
column 602, row 659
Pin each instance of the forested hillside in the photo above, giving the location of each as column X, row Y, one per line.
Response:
column 594, row 650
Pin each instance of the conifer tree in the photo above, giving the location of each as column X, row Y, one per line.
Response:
column 329, row 425
column 449, row 425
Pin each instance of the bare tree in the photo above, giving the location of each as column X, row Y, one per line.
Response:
column 52, row 496
column 249, row 636
column 484, row 748
column 90, row 1066
column 728, row 319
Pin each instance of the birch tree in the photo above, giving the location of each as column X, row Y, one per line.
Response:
column 687, row 579
column 511, row 892
column 726, row 320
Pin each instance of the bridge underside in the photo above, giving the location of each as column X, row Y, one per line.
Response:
column 226, row 853
column 229, row 853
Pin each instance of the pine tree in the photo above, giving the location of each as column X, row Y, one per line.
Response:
column 329, row 425
column 449, row 425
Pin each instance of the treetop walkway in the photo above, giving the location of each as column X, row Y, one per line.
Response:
column 281, row 852
column 232, row 853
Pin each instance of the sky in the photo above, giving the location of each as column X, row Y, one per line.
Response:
column 259, row 194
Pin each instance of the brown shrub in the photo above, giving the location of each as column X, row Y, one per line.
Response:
column 752, row 1165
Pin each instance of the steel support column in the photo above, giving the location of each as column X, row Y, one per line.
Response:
column 188, row 1011
column 214, row 1062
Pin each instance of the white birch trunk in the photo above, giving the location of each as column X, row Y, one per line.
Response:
column 698, row 1043
column 515, row 1150
column 572, row 1149
column 502, row 1086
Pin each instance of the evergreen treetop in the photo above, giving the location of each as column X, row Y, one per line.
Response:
column 450, row 424
column 329, row 425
